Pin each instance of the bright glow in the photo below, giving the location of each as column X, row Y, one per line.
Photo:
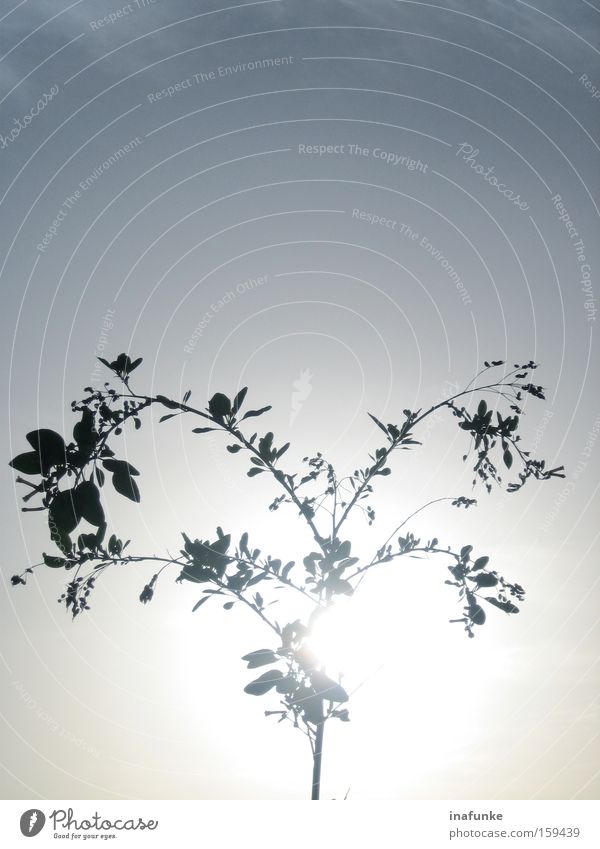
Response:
column 345, row 638
column 428, row 684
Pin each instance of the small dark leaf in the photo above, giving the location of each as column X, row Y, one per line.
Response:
column 287, row 685
column 27, row 463
column 480, row 563
column 506, row 606
column 228, row 605
column 477, row 614
column 219, row 406
column 85, row 433
column 166, row 402
column 508, row 458
column 342, row 714
column 327, row 688
column 63, row 512
column 254, row 471
column 253, row 413
column 239, row 400
column 203, row 429
column 233, row 449
column 120, row 466
column 167, row 417
column 260, row 657
column 378, row 423
column 485, row 579
column 54, row 562
column 263, row 684
column 49, row 445
column 87, row 503
column 287, row 569
column 282, row 450
column 125, row 485
column 200, row 603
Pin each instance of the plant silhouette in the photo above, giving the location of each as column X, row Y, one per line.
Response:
column 67, row 478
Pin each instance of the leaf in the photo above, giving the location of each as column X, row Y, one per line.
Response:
column 477, row 614
column 53, row 562
column 166, row 402
column 482, row 408
column 343, row 550
column 233, row 449
column 63, row 512
column 282, row 450
column 254, row 471
column 480, row 563
column 60, row 538
column 327, row 688
column 200, row 603
column 125, row 485
column 239, row 400
column 342, row 714
column 465, row 552
column 378, row 423
column 310, row 703
column 287, row 569
column 265, row 445
column 260, row 657
column 187, row 396
column 196, row 573
column 27, row 463
column 287, row 685
column 228, row 605
column 203, row 429
column 253, row 413
column 309, row 564
column 85, row 433
column 508, row 458
column 49, row 445
column 100, row 477
column 506, row 606
column 120, row 466
column 87, row 503
column 219, row 406
column 485, row 579
column 133, row 365
column 104, row 362
column 262, row 685
column 167, row 417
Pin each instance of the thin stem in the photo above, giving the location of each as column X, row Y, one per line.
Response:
column 237, row 434
column 388, row 557
column 317, row 761
column 447, row 402
column 415, row 513
column 280, row 478
column 401, row 525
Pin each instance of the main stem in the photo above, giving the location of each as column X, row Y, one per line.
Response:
column 317, row 756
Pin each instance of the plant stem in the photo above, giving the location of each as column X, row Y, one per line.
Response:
column 317, row 758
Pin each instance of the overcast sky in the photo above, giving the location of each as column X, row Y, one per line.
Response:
column 168, row 198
